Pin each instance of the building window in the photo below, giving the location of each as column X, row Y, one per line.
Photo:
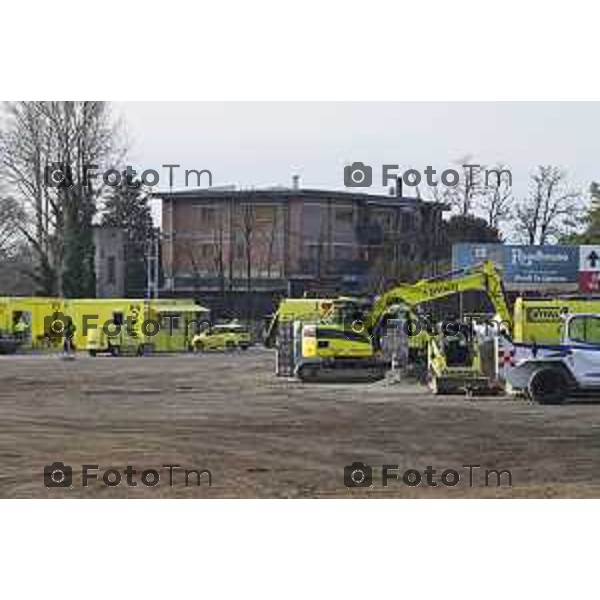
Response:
column 313, row 219
column 409, row 222
column 313, row 251
column 344, row 216
column 170, row 321
column 111, row 270
column 240, row 249
column 343, row 253
column 206, row 251
column 265, row 214
column 207, row 216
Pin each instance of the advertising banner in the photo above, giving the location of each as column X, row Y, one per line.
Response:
column 525, row 267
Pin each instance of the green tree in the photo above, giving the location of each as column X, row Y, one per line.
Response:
column 127, row 208
column 79, row 276
column 468, row 229
column 590, row 222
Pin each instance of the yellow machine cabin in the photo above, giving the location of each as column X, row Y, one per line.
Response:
column 540, row 320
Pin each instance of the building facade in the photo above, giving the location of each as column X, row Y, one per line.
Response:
column 109, row 262
column 291, row 241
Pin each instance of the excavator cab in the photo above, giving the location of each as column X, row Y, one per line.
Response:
column 459, row 348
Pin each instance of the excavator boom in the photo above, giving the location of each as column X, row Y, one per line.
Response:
column 483, row 277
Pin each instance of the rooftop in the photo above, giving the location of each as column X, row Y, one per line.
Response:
column 282, row 193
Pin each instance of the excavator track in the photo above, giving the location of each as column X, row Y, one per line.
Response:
column 314, row 373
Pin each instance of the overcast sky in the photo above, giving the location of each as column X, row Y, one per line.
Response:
column 255, row 144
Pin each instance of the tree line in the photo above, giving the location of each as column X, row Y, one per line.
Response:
column 49, row 205
column 547, row 213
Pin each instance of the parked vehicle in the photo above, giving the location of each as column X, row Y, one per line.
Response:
column 554, row 373
column 225, row 336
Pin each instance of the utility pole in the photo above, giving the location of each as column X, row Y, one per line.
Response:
column 152, row 268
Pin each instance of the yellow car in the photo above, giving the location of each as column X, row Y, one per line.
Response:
column 228, row 336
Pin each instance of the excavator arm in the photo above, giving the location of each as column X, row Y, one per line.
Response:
column 483, row 277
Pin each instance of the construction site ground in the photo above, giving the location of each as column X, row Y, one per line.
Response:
column 262, row 436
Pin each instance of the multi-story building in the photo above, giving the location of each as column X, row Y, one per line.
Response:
column 276, row 241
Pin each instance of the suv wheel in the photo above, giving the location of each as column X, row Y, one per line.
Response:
column 548, row 386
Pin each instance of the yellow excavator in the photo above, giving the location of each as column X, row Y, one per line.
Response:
column 341, row 338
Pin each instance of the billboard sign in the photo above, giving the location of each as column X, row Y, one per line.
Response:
column 589, row 269
column 524, row 267
column 589, row 282
column 589, row 259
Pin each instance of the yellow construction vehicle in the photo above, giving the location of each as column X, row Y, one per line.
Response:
column 457, row 359
column 540, row 320
column 309, row 331
column 347, row 337
column 115, row 329
column 10, row 338
column 462, row 357
column 296, row 309
column 111, row 325
column 141, row 327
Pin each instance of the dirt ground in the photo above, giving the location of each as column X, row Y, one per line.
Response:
column 260, row 436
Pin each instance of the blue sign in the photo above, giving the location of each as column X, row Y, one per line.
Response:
column 523, row 264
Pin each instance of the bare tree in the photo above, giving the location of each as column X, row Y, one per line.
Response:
column 189, row 248
column 550, row 208
column 272, row 239
column 265, row 258
column 463, row 196
column 248, row 225
column 11, row 219
column 496, row 198
column 45, row 149
column 218, row 255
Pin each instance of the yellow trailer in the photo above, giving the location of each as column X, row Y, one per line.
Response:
column 179, row 324
column 9, row 341
column 138, row 326
column 108, row 325
column 112, row 325
column 36, row 314
column 540, row 320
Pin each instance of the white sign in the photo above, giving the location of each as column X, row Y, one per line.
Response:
column 589, row 258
